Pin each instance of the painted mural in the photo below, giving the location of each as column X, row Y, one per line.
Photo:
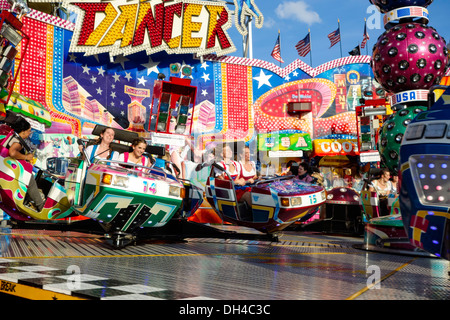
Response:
column 237, row 98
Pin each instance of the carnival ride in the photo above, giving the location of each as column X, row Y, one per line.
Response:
column 424, row 160
column 399, row 62
column 341, row 212
column 74, row 188
column 121, row 199
column 276, row 202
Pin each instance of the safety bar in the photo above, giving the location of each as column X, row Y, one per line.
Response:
column 134, row 165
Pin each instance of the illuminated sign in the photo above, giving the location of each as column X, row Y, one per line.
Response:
column 341, row 92
column 124, row 27
column 328, row 147
column 284, row 141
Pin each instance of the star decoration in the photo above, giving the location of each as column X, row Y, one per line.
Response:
column 86, row 69
column 263, row 79
column 99, row 91
column 93, row 79
column 72, row 57
column 121, row 59
column 142, row 81
column 116, row 77
column 151, row 66
column 128, row 76
column 205, row 77
column 204, row 65
column 204, row 92
column 101, row 71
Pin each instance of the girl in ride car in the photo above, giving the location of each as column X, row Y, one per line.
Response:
column 137, row 155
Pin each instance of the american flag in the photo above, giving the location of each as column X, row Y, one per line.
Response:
column 335, row 37
column 413, row 11
column 365, row 37
column 304, row 46
column 276, row 52
column 422, row 94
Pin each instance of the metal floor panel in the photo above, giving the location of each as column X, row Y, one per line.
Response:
column 300, row 266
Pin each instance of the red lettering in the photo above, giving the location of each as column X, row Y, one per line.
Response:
column 218, row 32
column 89, row 19
column 169, row 13
column 154, row 25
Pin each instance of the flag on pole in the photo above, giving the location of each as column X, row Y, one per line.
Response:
column 335, row 36
column 276, row 52
column 365, row 37
column 304, row 46
column 356, row 51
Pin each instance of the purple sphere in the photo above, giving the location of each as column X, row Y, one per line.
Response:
column 388, row 5
column 409, row 56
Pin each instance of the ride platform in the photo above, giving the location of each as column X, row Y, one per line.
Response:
column 54, row 264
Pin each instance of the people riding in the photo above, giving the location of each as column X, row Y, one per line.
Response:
column 248, row 172
column 384, row 188
column 303, row 173
column 232, row 167
column 136, row 156
column 101, row 148
column 16, row 150
column 234, row 170
column 291, row 169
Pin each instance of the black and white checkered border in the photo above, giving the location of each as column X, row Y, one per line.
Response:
column 87, row 287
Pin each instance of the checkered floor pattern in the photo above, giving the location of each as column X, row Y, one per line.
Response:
column 81, row 285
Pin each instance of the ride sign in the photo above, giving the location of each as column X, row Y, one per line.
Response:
column 328, row 147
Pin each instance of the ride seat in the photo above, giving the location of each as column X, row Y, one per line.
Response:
column 245, row 212
column 370, row 204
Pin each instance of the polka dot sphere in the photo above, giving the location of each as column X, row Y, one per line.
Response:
column 388, row 5
column 391, row 134
column 409, row 56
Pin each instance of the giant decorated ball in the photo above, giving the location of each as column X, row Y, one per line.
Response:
column 409, row 56
column 391, row 134
column 388, row 5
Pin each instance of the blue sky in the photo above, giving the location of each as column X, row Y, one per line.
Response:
column 294, row 17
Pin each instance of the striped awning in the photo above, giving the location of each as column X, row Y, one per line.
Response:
column 26, row 107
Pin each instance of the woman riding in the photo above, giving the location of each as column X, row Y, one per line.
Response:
column 15, row 146
column 137, row 155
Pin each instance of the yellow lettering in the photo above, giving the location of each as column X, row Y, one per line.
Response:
column 125, row 23
column 97, row 34
column 189, row 26
column 340, row 83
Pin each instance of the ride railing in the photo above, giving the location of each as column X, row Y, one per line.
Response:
column 273, row 179
column 137, row 168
